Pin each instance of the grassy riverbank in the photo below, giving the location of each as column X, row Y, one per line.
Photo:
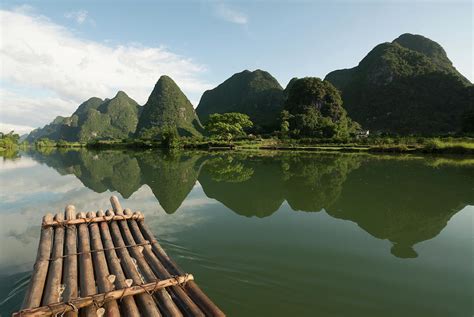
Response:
column 384, row 145
column 445, row 145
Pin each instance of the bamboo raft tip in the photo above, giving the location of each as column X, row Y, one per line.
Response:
column 59, row 217
column 109, row 256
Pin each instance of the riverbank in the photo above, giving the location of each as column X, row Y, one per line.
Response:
column 447, row 145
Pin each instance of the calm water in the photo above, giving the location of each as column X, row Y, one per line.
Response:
column 269, row 234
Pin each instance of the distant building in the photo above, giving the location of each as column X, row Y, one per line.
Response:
column 362, row 133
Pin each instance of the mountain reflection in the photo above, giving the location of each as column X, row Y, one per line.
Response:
column 405, row 201
column 170, row 176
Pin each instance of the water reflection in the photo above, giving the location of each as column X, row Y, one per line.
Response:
column 9, row 154
column 170, row 176
column 248, row 185
column 405, row 201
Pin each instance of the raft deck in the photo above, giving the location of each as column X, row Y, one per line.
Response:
column 108, row 264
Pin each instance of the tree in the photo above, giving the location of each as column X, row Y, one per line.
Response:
column 169, row 137
column 44, row 142
column 227, row 169
column 62, row 143
column 8, row 140
column 312, row 124
column 315, row 110
column 285, row 117
column 228, row 125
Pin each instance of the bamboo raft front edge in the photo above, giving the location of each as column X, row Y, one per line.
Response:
column 108, row 264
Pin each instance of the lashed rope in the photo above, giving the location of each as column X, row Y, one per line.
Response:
column 77, row 221
column 99, row 300
column 100, row 250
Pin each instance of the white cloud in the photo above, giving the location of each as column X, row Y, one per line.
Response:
column 57, row 70
column 23, row 113
column 18, row 128
column 230, row 15
column 79, row 16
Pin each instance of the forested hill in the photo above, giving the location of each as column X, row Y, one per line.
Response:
column 166, row 107
column 406, row 86
column 257, row 94
column 121, row 117
column 114, row 118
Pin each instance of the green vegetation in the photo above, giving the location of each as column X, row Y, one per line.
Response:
column 94, row 119
column 171, row 176
column 446, row 145
column 437, row 145
column 167, row 107
column 45, row 142
column 9, row 141
column 98, row 120
column 229, row 125
column 228, row 169
column 170, row 138
column 50, row 131
column 10, row 144
column 314, row 109
column 65, row 144
column 256, row 94
column 408, row 86
column 113, row 119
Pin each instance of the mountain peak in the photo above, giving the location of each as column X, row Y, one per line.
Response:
column 165, row 82
column 255, row 93
column 167, row 105
column 58, row 120
column 254, row 74
column 165, row 79
column 164, row 86
column 423, row 45
column 121, row 94
column 408, row 86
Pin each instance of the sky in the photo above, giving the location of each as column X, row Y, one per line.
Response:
column 56, row 54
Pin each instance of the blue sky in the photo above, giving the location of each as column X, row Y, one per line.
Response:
column 198, row 43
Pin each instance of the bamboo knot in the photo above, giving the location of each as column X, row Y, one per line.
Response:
column 74, row 308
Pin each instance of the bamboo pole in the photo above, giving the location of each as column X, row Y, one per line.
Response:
column 193, row 290
column 145, row 301
column 70, row 262
column 86, row 272
column 54, row 223
column 54, row 288
column 59, row 308
column 164, row 299
column 103, row 277
column 40, row 269
column 128, row 305
column 183, row 300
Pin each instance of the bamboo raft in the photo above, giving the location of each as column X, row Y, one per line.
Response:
column 108, row 264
